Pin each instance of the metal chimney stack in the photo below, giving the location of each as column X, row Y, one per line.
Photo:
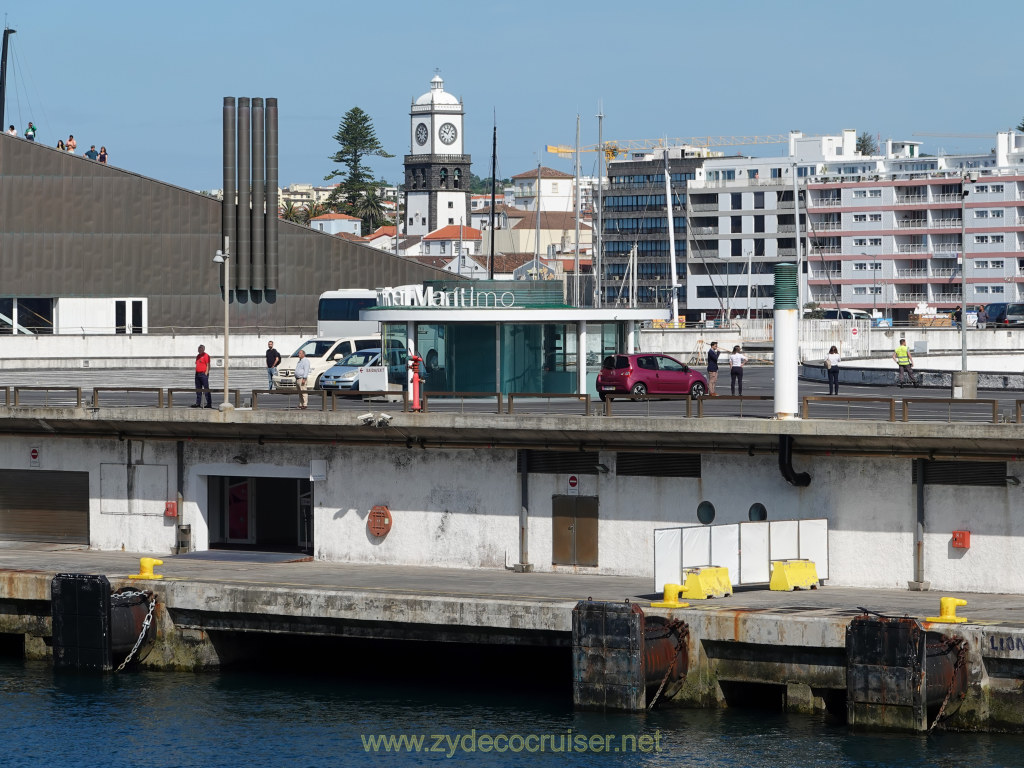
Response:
column 787, row 343
column 250, row 211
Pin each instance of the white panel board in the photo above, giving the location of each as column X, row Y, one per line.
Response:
column 814, row 544
column 784, row 538
column 696, row 546
column 725, row 549
column 668, row 554
column 755, row 567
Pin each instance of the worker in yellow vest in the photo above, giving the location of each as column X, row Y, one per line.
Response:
column 905, row 362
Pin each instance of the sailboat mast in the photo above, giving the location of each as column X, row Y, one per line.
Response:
column 576, row 260
column 3, row 73
column 598, row 253
column 536, row 246
column 494, row 181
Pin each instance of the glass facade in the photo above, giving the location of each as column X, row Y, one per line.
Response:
column 507, row 357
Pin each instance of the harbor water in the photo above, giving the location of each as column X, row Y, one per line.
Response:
column 306, row 719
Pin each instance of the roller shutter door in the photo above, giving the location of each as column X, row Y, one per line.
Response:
column 44, row 506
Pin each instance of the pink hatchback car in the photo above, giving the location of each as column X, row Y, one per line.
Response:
column 647, row 374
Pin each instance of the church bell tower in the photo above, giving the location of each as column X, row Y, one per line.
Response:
column 437, row 169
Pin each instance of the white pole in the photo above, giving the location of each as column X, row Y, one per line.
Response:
column 750, row 267
column 226, row 405
column 576, row 261
column 671, row 242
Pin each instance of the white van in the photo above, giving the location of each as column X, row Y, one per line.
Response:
column 847, row 314
column 322, row 354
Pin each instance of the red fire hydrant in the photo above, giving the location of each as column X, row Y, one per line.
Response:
column 414, row 363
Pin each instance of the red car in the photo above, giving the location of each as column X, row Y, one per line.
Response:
column 647, row 374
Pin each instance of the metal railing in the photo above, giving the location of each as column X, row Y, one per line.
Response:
column 950, row 402
column 461, row 397
column 126, row 391
column 849, row 401
column 201, row 393
column 47, row 390
column 548, row 396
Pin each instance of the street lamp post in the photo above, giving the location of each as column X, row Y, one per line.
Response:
column 964, row 384
column 224, row 257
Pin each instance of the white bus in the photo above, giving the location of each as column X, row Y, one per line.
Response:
column 337, row 314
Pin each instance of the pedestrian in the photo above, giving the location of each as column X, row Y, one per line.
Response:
column 302, row 369
column 30, row 132
column 736, row 362
column 72, row 145
column 958, row 316
column 982, row 318
column 12, row 131
column 905, row 361
column 273, row 360
column 60, row 145
column 713, row 354
column 203, row 378
column 103, row 155
column 832, row 368
column 92, row 154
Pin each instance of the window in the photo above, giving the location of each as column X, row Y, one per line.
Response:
column 860, row 241
column 979, row 188
column 997, row 238
column 981, row 214
column 737, row 246
column 981, row 264
column 758, row 200
column 776, row 173
column 997, row 289
column 981, row 289
column 997, row 264
column 981, row 239
column 874, row 193
column 554, row 187
column 859, row 266
column 859, row 193
column 736, row 224
column 451, row 204
column 997, row 214
column 410, row 221
column 997, row 187
column 441, row 248
column 451, row 221
column 876, row 217
column 875, row 289
column 751, row 173
column 737, row 201
column 874, row 241
column 804, row 171
column 875, row 266
column 859, row 291
column 759, row 223
column 860, row 217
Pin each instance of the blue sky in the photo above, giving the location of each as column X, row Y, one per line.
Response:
column 148, row 79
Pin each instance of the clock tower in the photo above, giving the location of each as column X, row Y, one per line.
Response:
column 436, row 170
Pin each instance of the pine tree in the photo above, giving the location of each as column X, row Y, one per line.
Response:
column 358, row 140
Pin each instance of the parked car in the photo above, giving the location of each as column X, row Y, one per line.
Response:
column 322, row 354
column 847, row 314
column 1003, row 313
column 346, row 374
column 649, row 374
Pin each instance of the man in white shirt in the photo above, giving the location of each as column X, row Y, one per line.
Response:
column 302, row 369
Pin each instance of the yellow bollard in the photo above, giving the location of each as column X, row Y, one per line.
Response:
column 146, row 569
column 947, row 611
column 670, row 598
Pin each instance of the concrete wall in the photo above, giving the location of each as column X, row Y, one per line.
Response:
column 460, row 508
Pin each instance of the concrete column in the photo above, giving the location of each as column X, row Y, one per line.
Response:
column 581, row 357
column 965, row 385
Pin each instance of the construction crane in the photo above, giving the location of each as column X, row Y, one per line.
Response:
column 613, row 149
column 955, row 135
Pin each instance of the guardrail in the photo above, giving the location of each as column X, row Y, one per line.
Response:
column 610, row 398
column 805, row 411
column 47, row 391
column 426, row 397
column 549, row 396
column 198, row 393
column 950, row 402
column 96, row 391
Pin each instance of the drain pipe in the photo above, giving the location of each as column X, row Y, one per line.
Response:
column 919, row 584
column 524, row 565
column 787, row 342
column 799, row 479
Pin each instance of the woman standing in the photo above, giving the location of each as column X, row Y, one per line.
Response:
column 832, row 368
column 736, row 361
column 103, row 155
column 60, row 145
column 713, row 354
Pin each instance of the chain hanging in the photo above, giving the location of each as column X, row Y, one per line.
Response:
column 145, row 624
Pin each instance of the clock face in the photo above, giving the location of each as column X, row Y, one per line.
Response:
column 421, row 134
column 448, row 133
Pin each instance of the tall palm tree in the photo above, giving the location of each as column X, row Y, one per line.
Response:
column 311, row 211
column 291, row 212
column 370, row 209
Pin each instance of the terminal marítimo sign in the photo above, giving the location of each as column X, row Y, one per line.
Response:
column 427, row 296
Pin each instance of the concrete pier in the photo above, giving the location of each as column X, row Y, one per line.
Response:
column 787, row 649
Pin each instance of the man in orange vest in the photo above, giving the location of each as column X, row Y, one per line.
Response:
column 203, row 378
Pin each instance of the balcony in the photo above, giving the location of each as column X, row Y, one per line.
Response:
column 946, row 248
column 826, row 226
column 911, row 273
column 824, row 202
column 912, row 248
column 947, row 197
column 703, row 230
column 943, row 298
column 911, row 223
column 704, row 207
column 814, row 249
column 914, row 297
column 911, row 199
column 785, row 228
column 821, row 275
column 947, row 223
column 945, row 271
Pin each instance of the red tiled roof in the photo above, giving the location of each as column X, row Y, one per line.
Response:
column 335, row 217
column 550, row 220
column 545, row 173
column 350, row 236
column 452, row 232
column 384, row 231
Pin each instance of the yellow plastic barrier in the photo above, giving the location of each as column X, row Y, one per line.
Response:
column 788, row 575
column 947, row 611
column 702, row 583
column 146, row 569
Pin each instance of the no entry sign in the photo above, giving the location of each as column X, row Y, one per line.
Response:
column 33, row 457
column 574, row 485
column 853, row 331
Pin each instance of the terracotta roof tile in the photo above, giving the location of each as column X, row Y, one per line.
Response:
column 545, row 173
column 335, row 217
column 451, row 232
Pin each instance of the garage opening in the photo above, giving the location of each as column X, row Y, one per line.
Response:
column 273, row 514
column 43, row 505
